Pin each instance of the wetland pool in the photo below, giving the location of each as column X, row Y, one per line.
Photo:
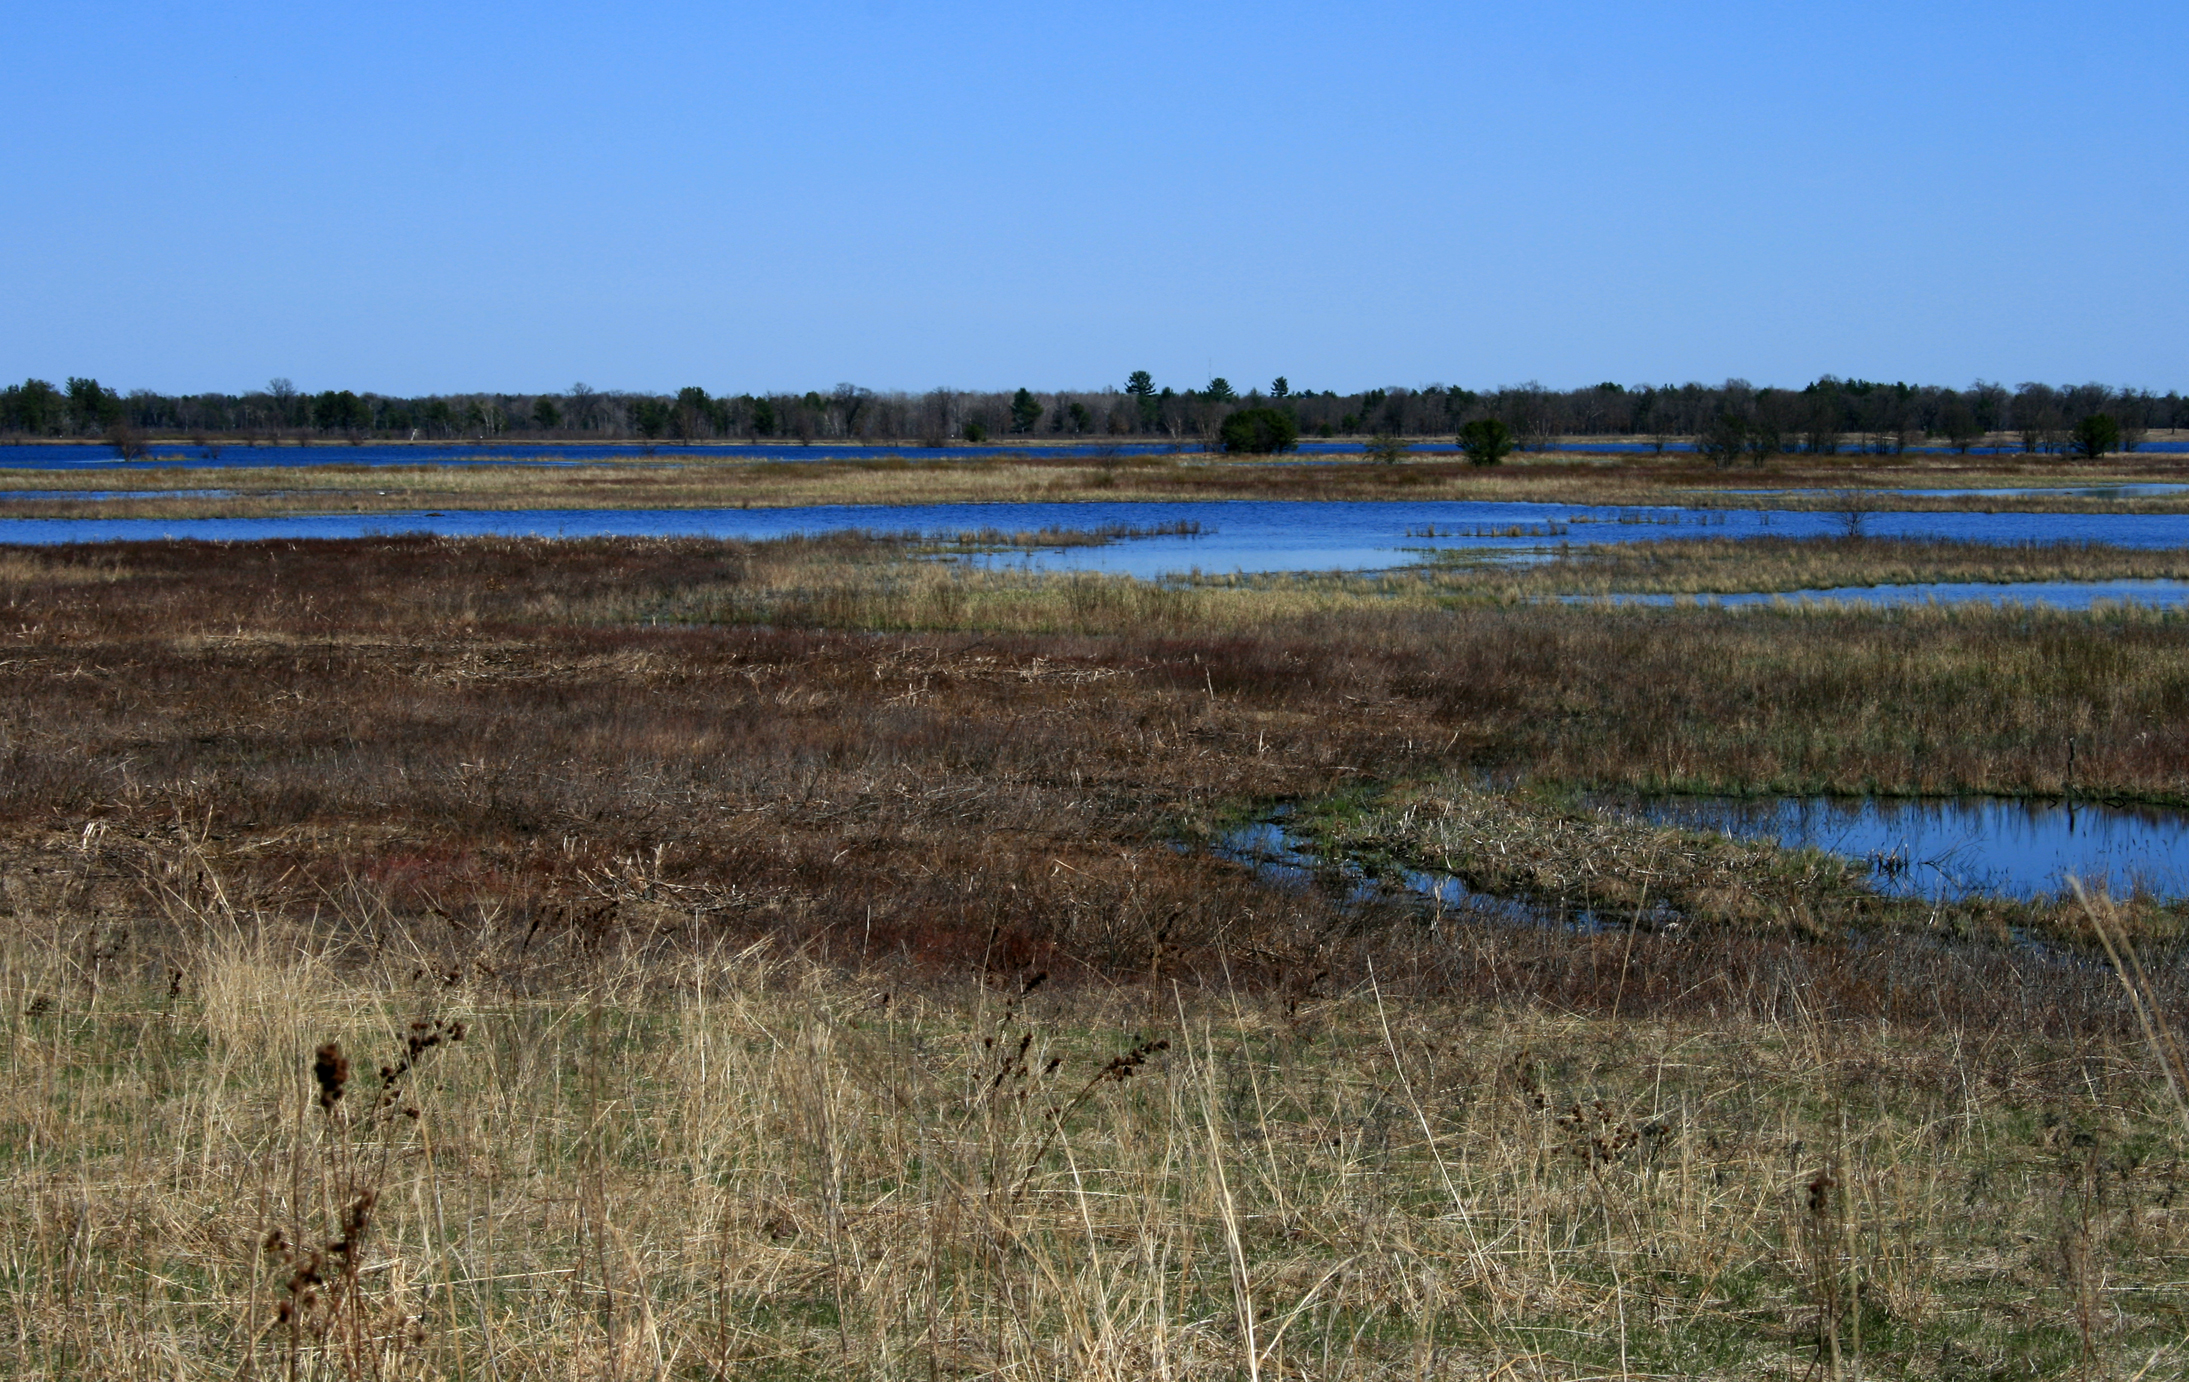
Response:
column 1960, row 847
column 1236, row 536
column 1940, row 849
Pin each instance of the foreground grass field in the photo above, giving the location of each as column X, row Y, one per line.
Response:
column 643, row 1157
column 687, row 959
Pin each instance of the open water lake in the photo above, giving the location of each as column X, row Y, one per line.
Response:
column 1244, row 536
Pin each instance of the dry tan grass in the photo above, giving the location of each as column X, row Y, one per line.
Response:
column 732, row 1163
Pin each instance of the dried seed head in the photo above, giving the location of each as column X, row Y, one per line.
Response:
column 356, row 1218
column 332, row 1069
column 1820, row 1193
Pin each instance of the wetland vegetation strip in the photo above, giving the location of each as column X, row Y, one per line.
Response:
column 1252, row 536
column 303, row 482
column 1763, row 566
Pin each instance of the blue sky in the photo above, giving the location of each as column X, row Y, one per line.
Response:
column 409, row 197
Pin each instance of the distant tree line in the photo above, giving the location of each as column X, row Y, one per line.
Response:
column 1730, row 422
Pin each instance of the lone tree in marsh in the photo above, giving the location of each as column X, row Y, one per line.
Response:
column 1724, row 438
column 129, row 444
column 1386, row 447
column 1259, row 432
column 2095, row 435
column 1486, row 441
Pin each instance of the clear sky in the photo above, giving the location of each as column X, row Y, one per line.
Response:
column 911, row 193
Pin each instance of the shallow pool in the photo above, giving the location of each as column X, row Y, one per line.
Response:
column 1960, row 848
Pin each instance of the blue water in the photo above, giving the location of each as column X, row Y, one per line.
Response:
column 164, row 455
column 1962, row 848
column 1247, row 536
column 2053, row 594
column 1947, row 850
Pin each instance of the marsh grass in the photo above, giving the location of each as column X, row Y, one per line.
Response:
column 841, row 991
column 718, row 478
column 1735, row 566
column 780, row 714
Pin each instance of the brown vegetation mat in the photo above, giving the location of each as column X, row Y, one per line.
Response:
column 805, row 752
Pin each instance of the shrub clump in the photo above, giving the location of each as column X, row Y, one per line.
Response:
column 1486, row 441
column 1259, row 432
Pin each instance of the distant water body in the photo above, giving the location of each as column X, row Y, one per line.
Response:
column 161, row 456
column 1245, row 536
